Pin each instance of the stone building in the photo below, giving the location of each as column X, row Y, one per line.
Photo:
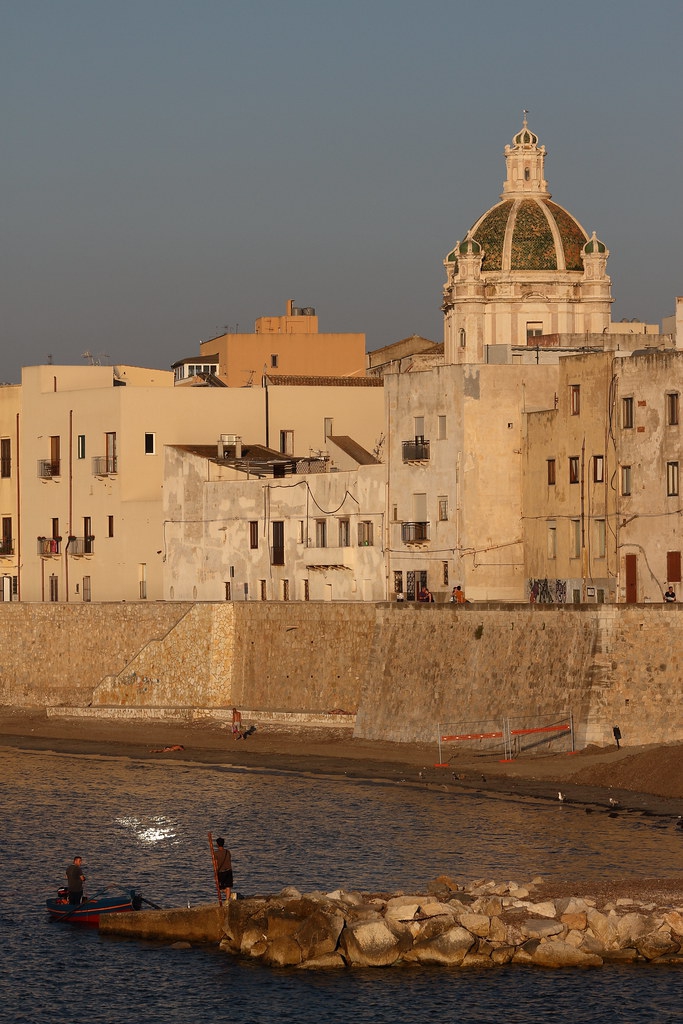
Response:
column 602, row 505
column 252, row 525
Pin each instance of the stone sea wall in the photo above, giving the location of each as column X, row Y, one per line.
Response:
column 404, row 671
column 482, row 924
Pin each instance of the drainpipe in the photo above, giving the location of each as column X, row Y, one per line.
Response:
column 71, row 502
column 264, row 385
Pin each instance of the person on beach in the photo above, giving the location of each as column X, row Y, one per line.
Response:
column 223, row 867
column 236, row 723
column 75, row 879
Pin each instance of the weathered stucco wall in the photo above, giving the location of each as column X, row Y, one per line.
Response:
column 403, row 668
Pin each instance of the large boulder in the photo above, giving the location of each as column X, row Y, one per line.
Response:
column 369, row 944
column 537, row 928
column 656, row 944
column 478, row 924
column 555, row 953
column 449, row 948
column 605, row 928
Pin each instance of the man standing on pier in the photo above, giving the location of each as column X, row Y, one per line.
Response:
column 223, row 867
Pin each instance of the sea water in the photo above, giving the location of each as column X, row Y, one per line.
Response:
column 145, row 824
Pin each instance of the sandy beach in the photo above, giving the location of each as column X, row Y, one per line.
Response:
column 634, row 779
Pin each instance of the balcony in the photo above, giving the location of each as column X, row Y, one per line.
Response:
column 49, row 468
column 277, row 556
column 79, row 546
column 105, row 465
column 416, row 451
column 414, row 533
column 6, row 548
column 49, row 546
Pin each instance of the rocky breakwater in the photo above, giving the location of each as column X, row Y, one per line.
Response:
column 479, row 925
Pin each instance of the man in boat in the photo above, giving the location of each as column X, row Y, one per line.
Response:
column 224, row 867
column 75, row 879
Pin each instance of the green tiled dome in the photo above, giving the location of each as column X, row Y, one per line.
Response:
column 523, row 235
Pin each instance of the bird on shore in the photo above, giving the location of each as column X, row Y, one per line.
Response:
column 560, row 796
column 613, row 802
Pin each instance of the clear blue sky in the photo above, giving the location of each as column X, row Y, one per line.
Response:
column 172, row 168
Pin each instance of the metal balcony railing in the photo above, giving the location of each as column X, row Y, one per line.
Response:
column 414, row 533
column 78, row 546
column 47, row 468
column 416, row 450
column 49, row 545
column 105, row 465
column 6, row 548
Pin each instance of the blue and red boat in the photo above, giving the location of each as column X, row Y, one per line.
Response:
column 90, row 910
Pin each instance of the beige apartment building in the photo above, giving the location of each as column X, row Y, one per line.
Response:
column 86, row 444
column 289, row 344
column 602, row 505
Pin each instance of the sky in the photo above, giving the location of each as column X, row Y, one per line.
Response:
column 171, row 169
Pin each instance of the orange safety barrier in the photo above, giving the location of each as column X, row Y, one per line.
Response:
column 473, row 736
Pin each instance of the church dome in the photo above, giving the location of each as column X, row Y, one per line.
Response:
column 526, row 231
column 529, row 233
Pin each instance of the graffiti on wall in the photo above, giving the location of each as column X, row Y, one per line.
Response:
column 545, row 591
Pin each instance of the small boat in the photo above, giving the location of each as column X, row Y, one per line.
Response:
column 90, row 911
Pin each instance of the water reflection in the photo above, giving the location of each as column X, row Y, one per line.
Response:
column 145, row 824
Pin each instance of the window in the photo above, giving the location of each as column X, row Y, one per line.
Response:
column 150, row 444
column 462, row 335
column 5, row 457
column 321, row 533
column 672, row 408
column 87, row 591
column 278, row 549
column 419, row 426
column 54, row 588
column 264, row 590
column 344, row 533
column 573, row 469
column 552, row 539
column 55, row 530
column 7, row 547
column 444, row 576
column 574, row 538
column 253, row 535
column 287, row 442
column 625, row 480
column 88, row 539
column 142, row 580
column 627, row 413
column 273, row 361
column 598, row 469
column 307, row 591
column 398, row 582
column 110, row 451
column 672, row 478
column 55, row 455
column 441, row 428
column 533, row 330
column 551, row 471
column 110, row 526
column 365, row 533
column 285, row 590
column 673, row 566
column 575, row 399
column 443, row 509
column 394, row 513
column 600, row 538
column 228, row 590
column 80, row 449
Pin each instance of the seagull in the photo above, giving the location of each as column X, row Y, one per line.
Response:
column 483, row 778
column 560, row 796
column 613, row 802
